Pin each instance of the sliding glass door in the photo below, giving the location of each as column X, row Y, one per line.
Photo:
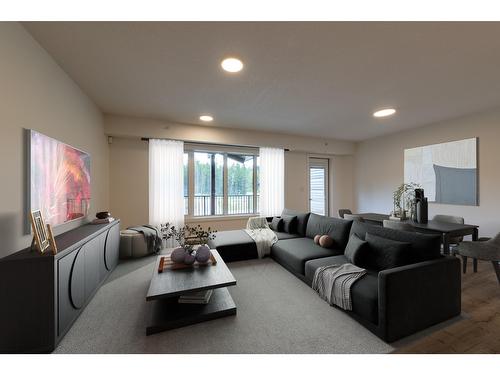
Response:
column 318, row 186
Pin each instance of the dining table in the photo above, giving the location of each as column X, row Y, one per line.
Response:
column 446, row 230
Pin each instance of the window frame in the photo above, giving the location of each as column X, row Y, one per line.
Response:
column 320, row 163
column 190, row 149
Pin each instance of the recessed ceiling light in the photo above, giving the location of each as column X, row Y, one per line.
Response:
column 384, row 112
column 231, row 65
column 206, row 118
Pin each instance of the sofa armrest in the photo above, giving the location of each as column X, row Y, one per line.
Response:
column 417, row 296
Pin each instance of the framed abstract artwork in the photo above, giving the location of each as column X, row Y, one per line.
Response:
column 58, row 179
column 447, row 172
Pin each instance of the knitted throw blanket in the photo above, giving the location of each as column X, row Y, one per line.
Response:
column 333, row 283
column 264, row 237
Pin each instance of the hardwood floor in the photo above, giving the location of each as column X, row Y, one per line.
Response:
column 479, row 330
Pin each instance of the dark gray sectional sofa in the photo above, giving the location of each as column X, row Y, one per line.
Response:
column 392, row 303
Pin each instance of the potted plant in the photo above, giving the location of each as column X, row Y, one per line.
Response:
column 192, row 241
column 403, row 199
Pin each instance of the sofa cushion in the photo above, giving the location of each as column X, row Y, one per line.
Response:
column 384, row 253
column 234, row 245
column 423, row 246
column 276, row 224
column 364, row 292
column 286, row 236
column 355, row 248
column 302, row 219
column 289, row 223
column 294, row 253
column 336, row 228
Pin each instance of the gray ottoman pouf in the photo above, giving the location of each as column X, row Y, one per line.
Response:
column 132, row 244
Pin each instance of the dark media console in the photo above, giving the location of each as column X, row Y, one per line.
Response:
column 41, row 295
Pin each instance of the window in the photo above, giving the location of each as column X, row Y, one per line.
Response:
column 186, row 183
column 208, row 184
column 240, row 184
column 220, row 181
column 318, row 186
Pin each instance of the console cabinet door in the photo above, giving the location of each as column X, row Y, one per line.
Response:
column 71, row 288
column 112, row 247
column 92, row 251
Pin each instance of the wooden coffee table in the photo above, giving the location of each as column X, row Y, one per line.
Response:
column 166, row 287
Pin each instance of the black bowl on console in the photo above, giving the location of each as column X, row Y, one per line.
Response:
column 103, row 215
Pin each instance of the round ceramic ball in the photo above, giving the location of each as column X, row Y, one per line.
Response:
column 188, row 258
column 326, row 241
column 177, row 255
column 316, row 239
column 203, row 254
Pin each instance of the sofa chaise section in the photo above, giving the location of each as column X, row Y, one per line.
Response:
column 234, row 245
column 400, row 301
column 364, row 292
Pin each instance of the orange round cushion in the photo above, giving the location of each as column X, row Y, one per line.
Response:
column 316, row 239
column 326, row 241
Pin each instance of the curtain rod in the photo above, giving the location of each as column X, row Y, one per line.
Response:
column 207, row 143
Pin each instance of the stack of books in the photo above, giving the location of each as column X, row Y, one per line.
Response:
column 201, row 297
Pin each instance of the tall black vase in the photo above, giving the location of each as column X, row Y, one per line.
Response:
column 422, row 211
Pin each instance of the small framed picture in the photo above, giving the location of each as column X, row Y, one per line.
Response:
column 41, row 237
column 52, row 241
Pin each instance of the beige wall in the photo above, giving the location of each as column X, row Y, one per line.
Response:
column 129, row 183
column 379, row 168
column 133, row 127
column 341, row 183
column 37, row 94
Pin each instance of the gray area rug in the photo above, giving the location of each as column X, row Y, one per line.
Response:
column 277, row 313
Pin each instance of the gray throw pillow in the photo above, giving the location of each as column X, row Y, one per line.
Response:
column 276, row 224
column 354, row 249
column 289, row 224
column 385, row 253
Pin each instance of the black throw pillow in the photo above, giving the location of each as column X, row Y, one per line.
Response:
column 276, row 224
column 289, row 223
column 384, row 253
column 355, row 249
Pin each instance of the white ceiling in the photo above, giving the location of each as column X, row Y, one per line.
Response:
column 321, row 79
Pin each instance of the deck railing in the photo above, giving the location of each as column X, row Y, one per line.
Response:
column 236, row 204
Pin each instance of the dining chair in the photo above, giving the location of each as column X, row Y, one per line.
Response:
column 454, row 241
column 398, row 225
column 343, row 211
column 354, row 217
column 488, row 250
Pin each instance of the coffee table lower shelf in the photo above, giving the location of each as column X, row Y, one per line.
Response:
column 166, row 315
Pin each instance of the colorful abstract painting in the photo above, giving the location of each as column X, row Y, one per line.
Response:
column 59, row 179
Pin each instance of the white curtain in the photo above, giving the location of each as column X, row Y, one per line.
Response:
column 272, row 181
column 166, row 183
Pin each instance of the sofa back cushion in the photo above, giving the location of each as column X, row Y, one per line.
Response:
column 355, row 249
column 384, row 253
column 276, row 224
column 338, row 229
column 302, row 219
column 289, row 224
column 423, row 246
